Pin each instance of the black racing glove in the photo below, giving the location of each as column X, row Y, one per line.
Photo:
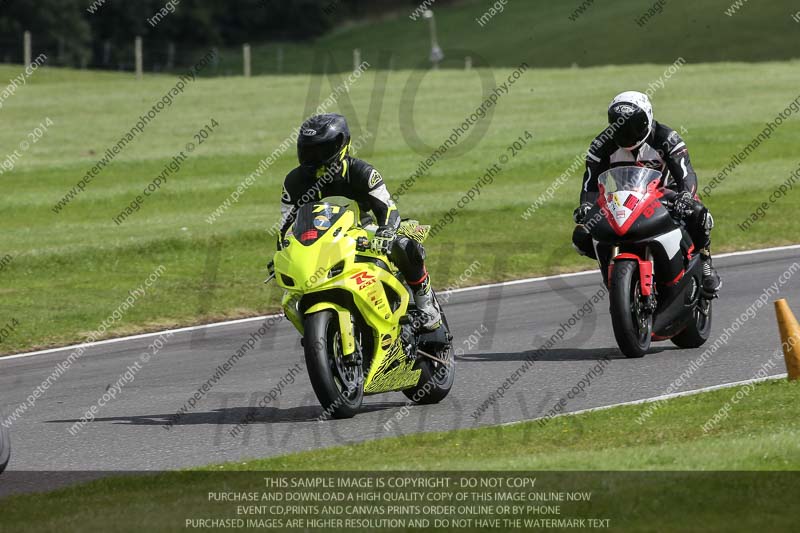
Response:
column 579, row 215
column 684, row 203
column 383, row 240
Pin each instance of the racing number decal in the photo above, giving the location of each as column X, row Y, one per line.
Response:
column 321, row 207
column 650, row 208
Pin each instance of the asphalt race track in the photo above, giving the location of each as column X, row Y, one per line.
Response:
column 511, row 321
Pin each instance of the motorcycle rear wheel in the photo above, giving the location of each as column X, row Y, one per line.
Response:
column 339, row 387
column 436, row 379
column 697, row 333
column 632, row 326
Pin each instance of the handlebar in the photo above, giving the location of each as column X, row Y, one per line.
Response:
column 271, row 270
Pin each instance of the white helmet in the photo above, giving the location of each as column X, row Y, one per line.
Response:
column 630, row 117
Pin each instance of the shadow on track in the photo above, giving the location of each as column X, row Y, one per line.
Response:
column 233, row 416
column 556, row 354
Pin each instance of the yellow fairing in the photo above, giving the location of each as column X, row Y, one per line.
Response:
column 306, row 271
column 345, row 324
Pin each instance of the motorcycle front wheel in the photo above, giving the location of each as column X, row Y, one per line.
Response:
column 633, row 326
column 338, row 384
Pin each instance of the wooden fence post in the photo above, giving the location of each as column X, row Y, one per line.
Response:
column 137, row 50
column 246, row 59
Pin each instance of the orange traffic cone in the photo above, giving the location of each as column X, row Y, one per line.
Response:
column 790, row 338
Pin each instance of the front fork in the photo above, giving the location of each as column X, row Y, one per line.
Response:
column 646, row 275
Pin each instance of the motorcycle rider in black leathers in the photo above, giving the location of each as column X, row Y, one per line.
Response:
column 634, row 138
column 327, row 169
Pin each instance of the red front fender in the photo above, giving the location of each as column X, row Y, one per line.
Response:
column 645, row 271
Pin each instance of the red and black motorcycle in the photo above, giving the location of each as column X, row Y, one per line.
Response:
column 648, row 263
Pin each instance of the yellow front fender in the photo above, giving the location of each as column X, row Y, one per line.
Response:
column 345, row 324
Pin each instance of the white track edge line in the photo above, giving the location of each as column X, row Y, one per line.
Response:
column 257, row 318
column 654, row 399
column 595, row 271
column 139, row 336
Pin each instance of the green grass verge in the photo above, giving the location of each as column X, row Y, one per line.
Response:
column 69, row 272
column 761, row 433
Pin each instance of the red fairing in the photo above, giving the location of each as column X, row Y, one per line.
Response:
column 677, row 278
column 652, row 195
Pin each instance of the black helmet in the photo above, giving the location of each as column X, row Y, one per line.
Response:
column 630, row 119
column 323, row 140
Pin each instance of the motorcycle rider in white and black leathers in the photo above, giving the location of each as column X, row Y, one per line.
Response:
column 327, row 169
column 634, row 138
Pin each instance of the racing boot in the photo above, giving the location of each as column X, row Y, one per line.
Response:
column 423, row 297
column 711, row 282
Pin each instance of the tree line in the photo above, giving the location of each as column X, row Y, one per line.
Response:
column 100, row 33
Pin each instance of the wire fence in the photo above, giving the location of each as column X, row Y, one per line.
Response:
column 265, row 58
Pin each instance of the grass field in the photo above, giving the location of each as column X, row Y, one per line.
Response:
column 763, row 435
column 604, row 33
column 63, row 274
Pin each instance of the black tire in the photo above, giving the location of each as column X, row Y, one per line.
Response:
column 436, row 379
column 633, row 333
column 5, row 448
column 339, row 393
column 697, row 333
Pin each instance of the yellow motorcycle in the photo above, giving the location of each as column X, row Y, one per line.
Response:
column 361, row 330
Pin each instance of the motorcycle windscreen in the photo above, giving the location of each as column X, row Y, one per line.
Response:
column 629, row 179
column 625, row 188
column 313, row 220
